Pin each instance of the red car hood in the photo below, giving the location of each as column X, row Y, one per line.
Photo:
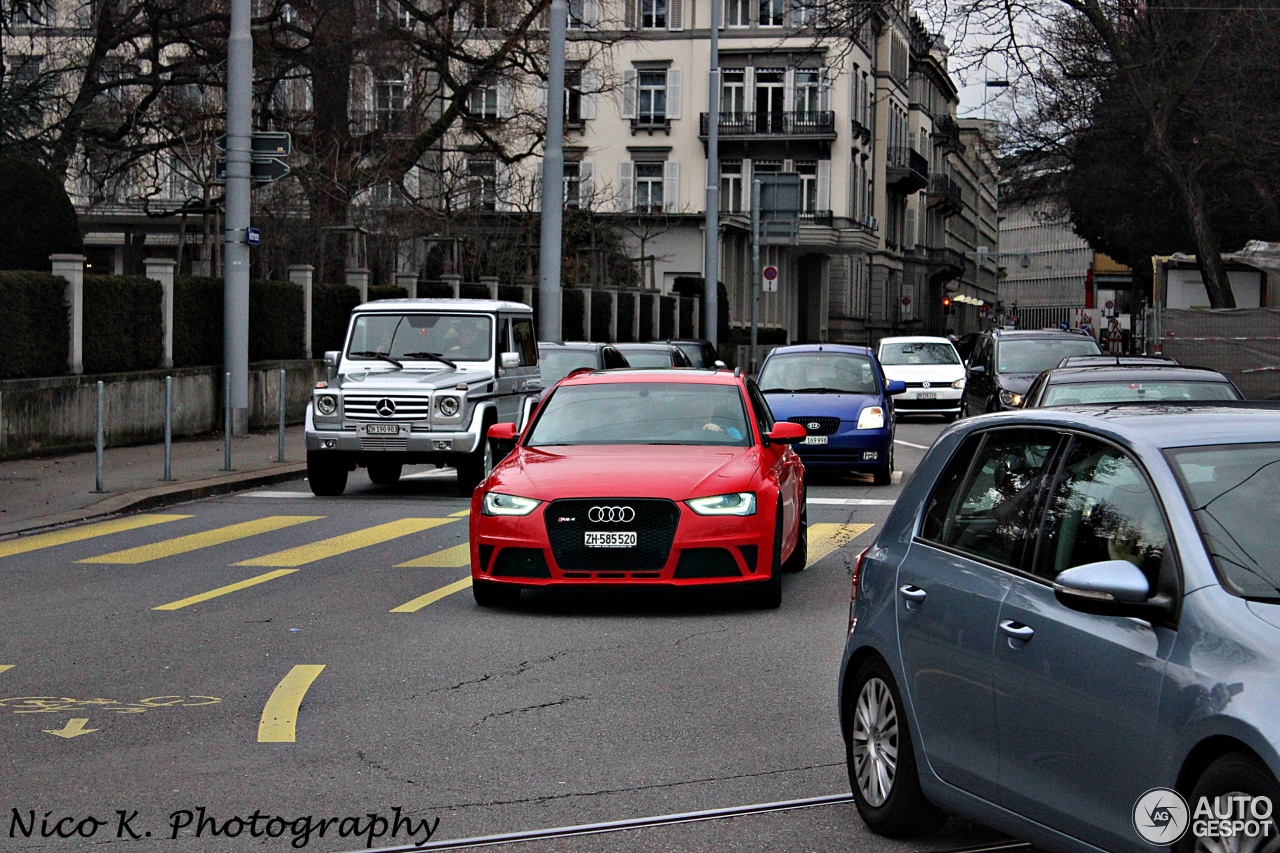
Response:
column 666, row 471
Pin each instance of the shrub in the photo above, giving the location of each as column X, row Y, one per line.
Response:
column 573, row 306
column 37, row 335
column 36, row 217
column 275, row 320
column 123, row 327
column 387, row 291
column 331, row 306
column 601, row 314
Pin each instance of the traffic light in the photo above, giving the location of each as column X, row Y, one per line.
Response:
column 947, row 310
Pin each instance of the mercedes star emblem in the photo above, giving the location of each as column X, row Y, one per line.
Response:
column 386, row 407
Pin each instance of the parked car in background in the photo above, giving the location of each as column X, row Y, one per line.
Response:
column 1065, row 612
column 643, row 478
column 556, row 359
column 654, row 355
column 839, row 393
column 1004, row 363
column 1154, row 382
column 701, row 352
column 931, row 370
column 1117, row 360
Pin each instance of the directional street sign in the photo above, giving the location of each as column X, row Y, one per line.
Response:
column 264, row 143
column 262, row 171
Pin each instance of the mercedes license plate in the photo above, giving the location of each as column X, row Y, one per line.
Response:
column 926, row 395
column 815, row 439
column 610, row 539
column 382, row 429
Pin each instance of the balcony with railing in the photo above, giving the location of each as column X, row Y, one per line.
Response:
column 944, row 194
column 812, row 124
column 944, row 263
column 815, row 217
column 908, row 170
column 861, row 132
column 946, row 133
column 393, row 122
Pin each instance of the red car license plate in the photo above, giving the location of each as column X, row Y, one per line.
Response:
column 610, row 539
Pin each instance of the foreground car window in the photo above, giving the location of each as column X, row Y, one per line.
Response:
column 1036, row 355
column 819, row 373
column 642, row 413
column 1232, row 490
column 918, row 353
column 983, row 502
column 1130, row 392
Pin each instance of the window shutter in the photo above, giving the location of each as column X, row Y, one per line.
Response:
column 502, row 185
column 675, row 15
column 504, row 99
column 724, row 12
column 824, row 91
column 824, row 185
column 674, row 90
column 788, row 165
column 671, row 186
column 590, row 13
column 590, row 84
column 748, row 187
column 909, row 238
column 630, row 16
column 749, row 83
column 586, row 184
column 789, row 90
column 629, row 93
column 542, row 99
column 535, row 185
column 626, row 185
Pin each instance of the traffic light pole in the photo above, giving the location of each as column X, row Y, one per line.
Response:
column 235, row 271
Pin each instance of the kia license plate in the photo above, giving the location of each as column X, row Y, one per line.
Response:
column 382, row 429
column 610, row 539
column 815, row 439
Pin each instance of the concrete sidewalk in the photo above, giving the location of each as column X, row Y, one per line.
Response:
column 53, row 490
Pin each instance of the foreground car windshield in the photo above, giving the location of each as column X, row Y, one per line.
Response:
column 557, row 364
column 1036, row 355
column 1231, row 490
column 1129, row 392
column 455, row 336
column 642, row 413
column 830, row 373
column 918, row 353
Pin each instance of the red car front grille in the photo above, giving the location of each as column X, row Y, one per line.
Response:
column 652, row 520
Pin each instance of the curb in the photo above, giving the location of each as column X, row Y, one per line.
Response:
column 165, row 495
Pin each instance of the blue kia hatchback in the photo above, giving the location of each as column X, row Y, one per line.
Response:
column 839, row 393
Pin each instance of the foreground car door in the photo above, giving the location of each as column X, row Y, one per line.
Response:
column 950, row 588
column 1077, row 695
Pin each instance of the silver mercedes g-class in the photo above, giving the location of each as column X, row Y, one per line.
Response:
column 420, row 381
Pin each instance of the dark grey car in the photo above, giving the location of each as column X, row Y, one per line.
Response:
column 1005, row 361
column 1069, row 629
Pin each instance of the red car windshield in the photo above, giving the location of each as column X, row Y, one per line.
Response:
column 642, row 413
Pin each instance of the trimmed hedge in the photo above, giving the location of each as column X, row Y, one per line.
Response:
column 387, row 291
column 647, row 332
column 601, row 313
column 666, row 317
column 511, row 293
column 123, row 326
column 434, row 290
column 573, row 306
column 473, row 291
column 275, row 321
column 37, row 335
column 36, row 216
column 331, row 306
column 626, row 315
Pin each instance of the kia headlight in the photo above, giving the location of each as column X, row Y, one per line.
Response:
column 448, row 406
column 872, row 417
column 326, row 404
column 496, row 503
column 737, row 503
column 1011, row 399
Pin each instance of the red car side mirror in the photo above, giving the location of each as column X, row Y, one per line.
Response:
column 503, row 432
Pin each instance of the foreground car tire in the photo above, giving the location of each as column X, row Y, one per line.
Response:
column 490, row 594
column 326, row 476
column 881, row 759
column 800, row 554
column 884, row 476
column 767, row 595
column 1233, row 774
column 477, row 466
column 385, row 473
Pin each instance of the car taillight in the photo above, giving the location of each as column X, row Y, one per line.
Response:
column 853, row 590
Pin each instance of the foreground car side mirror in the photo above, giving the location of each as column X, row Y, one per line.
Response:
column 502, row 432
column 331, row 358
column 786, row 432
column 895, row 386
column 1109, row 588
column 719, row 365
column 510, row 359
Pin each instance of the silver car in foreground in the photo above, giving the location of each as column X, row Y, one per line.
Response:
column 1069, row 629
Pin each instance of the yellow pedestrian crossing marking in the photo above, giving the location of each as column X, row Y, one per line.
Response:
column 826, row 538
column 345, row 543
column 450, row 558
column 205, row 539
column 24, row 544
column 225, row 590
column 435, row 595
column 5, row 667
column 462, row 514
column 279, row 721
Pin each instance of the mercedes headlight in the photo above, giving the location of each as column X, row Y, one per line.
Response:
column 496, row 503
column 448, row 406
column 737, row 503
column 872, row 417
column 326, row 404
column 1011, row 399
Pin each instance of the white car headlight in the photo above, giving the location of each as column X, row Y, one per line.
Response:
column 958, row 384
column 1010, row 399
column 326, row 404
column 872, row 417
column 737, row 503
column 447, row 406
column 496, row 503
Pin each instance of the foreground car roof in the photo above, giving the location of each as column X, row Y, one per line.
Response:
column 654, row 374
column 1152, row 373
column 1160, row 425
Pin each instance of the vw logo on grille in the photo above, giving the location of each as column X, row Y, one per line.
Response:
column 813, row 425
column 925, row 385
column 386, row 407
column 611, row 514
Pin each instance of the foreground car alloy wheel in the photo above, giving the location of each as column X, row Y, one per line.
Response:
column 1227, row 779
column 881, row 761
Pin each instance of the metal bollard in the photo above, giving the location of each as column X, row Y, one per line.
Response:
column 168, row 428
column 99, row 442
column 226, row 422
column 280, row 449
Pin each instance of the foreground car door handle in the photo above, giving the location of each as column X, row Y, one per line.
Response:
column 913, row 594
column 1016, row 630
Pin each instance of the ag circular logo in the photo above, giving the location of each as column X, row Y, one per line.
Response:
column 611, row 514
column 1161, row 816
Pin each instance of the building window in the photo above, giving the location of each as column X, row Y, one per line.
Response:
column 649, row 187
column 577, row 14
column 733, row 94
column 482, row 185
column 653, row 14
column 31, row 13
column 483, row 103
column 388, row 10
column 487, row 14
column 808, row 95
column 573, row 185
column 738, row 13
column 573, row 97
column 771, row 13
column 808, row 170
column 804, row 13
column 652, row 97
column 731, row 187
column 389, row 100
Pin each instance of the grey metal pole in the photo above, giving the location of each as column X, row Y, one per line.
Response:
column 239, row 169
column 99, row 441
column 711, row 263
column 754, row 273
column 280, row 440
column 553, row 179
column 226, row 422
column 168, row 428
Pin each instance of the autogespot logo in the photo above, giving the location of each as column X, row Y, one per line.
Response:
column 1160, row 816
column 611, row 514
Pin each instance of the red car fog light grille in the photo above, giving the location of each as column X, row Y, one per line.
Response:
column 486, row 552
column 521, row 563
column 748, row 556
column 707, row 563
column 825, row 425
column 652, row 521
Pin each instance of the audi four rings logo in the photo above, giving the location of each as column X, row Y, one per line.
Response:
column 386, row 407
column 611, row 514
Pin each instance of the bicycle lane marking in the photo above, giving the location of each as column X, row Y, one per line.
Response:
column 279, row 720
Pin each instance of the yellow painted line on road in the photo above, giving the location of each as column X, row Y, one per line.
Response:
column 196, row 541
column 279, row 721
column 450, row 558
column 826, row 538
column 304, row 554
column 24, row 544
column 225, row 590
column 463, row 514
column 430, row 598
column 5, row 667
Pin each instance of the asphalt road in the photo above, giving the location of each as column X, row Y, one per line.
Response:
column 293, row 657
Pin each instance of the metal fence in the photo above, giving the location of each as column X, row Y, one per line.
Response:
column 1242, row 343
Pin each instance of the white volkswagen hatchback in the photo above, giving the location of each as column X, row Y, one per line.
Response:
column 932, row 370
